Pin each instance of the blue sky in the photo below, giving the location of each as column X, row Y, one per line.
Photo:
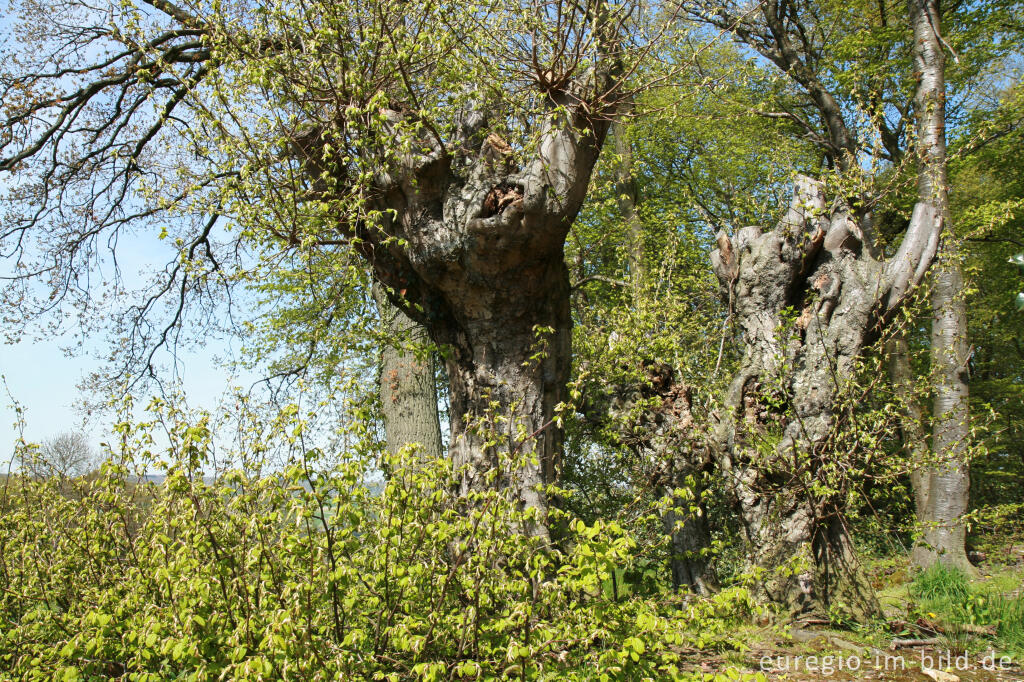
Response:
column 43, row 376
column 44, row 380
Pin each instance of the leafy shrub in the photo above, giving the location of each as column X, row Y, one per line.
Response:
column 316, row 569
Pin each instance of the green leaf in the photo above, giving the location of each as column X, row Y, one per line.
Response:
column 1018, row 260
column 1020, row 301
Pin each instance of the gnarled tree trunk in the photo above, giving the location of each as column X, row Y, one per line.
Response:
column 472, row 248
column 772, row 441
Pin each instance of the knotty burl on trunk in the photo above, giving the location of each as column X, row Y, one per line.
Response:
column 652, row 418
column 471, row 247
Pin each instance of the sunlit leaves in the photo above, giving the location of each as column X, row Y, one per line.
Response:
column 317, row 569
column 1018, row 260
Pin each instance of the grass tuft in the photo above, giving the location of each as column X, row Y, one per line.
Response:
column 949, row 594
column 941, row 584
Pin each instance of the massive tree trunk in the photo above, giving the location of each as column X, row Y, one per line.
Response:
column 472, row 248
column 408, row 389
column 772, row 440
column 947, row 484
column 508, row 371
column 366, row 150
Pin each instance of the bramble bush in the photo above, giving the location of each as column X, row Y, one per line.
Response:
column 318, row 568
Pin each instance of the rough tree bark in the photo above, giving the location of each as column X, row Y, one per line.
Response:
column 811, row 262
column 464, row 233
column 471, row 247
column 408, row 392
column 773, row 436
column 669, row 438
column 775, row 458
column 654, row 421
column 662, row 435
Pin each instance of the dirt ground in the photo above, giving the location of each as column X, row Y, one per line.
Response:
column 819, row 657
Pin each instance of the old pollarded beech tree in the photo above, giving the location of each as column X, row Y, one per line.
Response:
column 448, row 147
column 818, row 262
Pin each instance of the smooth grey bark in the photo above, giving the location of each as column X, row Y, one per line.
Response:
column 471, row 247
column 946, row 485
column 408, row 389
column 945, row 493
column 941, row 492
column 912, row 424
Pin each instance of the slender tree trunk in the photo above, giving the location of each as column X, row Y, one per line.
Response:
column 627, row 195
column 948, row 483
column 946, row 486
column 408, row 392
column 913, row 431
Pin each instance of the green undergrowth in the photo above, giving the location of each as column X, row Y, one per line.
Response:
column 964, row 613
column 948, row 595
column 320, row 569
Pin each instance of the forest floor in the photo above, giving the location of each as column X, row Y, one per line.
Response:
column 939, row 627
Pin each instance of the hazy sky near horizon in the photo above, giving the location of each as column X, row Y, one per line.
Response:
column 44, row 379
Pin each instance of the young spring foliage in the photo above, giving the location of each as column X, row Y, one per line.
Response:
column 316, row 569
